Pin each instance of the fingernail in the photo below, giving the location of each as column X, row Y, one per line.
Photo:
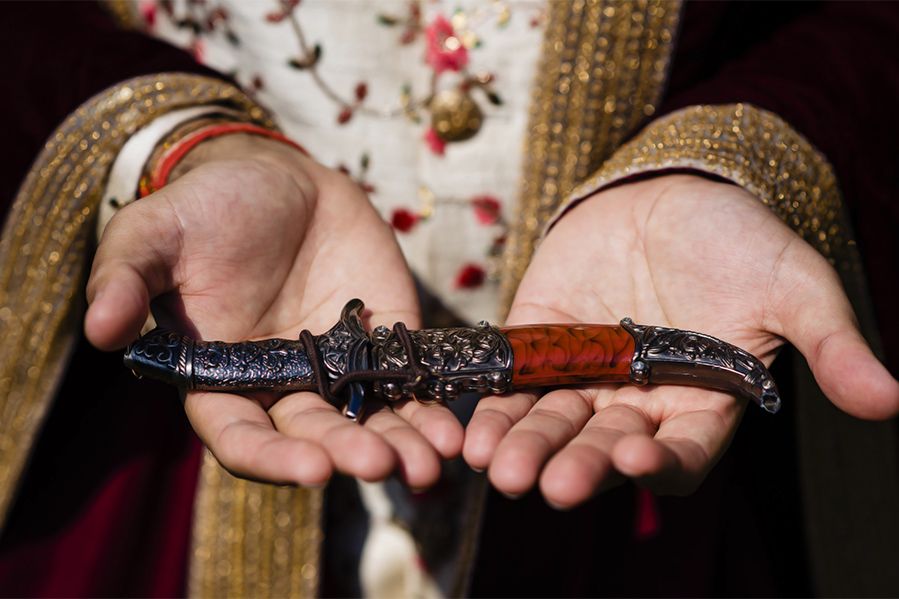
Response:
column 512, row 496
column 478, row 470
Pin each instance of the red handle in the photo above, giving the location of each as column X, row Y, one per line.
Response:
column 561, row 354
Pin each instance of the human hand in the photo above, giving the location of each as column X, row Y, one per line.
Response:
column 256, row 240
column 685, row 252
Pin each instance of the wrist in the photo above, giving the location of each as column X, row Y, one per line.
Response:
column 252, row 148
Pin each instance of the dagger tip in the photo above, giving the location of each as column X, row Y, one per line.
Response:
column 770, row 401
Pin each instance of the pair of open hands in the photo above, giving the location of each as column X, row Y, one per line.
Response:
column 257, row 241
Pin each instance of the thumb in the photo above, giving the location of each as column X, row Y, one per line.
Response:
column 817, row 318
column 133, row 264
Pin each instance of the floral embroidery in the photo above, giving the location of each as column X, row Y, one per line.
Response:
column 199, row 18
column 455, row 114
column 435, row 143
column 449, row 107
column 403, row 219
column 198, row 49
column 445, row 51
column 486, row 209
column 283, row 11
column 470, row 276
column 411, row 24
column 147, row 12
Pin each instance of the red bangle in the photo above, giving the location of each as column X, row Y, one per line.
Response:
column 160, row 173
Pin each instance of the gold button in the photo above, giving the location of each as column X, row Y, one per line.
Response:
column 455, row 116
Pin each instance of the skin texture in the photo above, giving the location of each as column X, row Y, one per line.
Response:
column 678, row 251
column 255, row 240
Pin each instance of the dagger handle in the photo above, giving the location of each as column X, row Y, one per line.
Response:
column 269, row 365
column 567, row 354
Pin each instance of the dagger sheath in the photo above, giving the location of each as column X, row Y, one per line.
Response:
column 440, row 364
column 569, row 354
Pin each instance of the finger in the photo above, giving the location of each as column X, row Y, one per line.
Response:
column 354, row 450
column 680, row 455
column 817, row 318
column 419, row 463
column 241, row 436
column 492, row 419
column 436, row 423
column 584, row 466
column 553, row 421
column 133, row 264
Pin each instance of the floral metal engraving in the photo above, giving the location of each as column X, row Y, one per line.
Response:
column 276, row 364
column 163, row 348
column 675, row 356
column 457, row 360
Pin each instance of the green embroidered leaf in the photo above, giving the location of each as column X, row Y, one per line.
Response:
column 387, row 20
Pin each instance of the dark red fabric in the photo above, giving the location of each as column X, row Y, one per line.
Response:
column 105, row 506
column 56, row 55
column 741, row 534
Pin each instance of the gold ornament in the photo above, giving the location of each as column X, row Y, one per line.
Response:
column 455, row 116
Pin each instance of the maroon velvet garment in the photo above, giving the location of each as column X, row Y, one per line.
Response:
column 105, row 506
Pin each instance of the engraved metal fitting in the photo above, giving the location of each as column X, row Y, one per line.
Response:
column 457, row 360
column 665, row 356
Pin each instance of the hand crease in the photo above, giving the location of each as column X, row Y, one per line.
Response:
column 570, row 426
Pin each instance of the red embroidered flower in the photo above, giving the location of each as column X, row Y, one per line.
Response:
column 445, row 51
column 148, row 12
column 486, row 209
column 470, row 276
column 435, row 144
column 198, row 49
column 404, row 220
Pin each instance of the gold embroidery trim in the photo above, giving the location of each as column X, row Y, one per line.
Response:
column 601, row 74
column 751, row 147
column 42, row 268
column 252, row 539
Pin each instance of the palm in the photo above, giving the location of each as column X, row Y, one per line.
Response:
column 241, row 250
column 673, row 251
column 249, row 270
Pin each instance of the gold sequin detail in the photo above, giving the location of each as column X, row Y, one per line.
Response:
column 601, row 74
column 253, row 540
column 753, row 148
column 42, row 270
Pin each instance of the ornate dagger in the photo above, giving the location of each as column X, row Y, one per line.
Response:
column 346, row 364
